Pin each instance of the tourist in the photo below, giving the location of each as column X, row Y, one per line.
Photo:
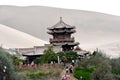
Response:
column 67, row 70
column 20, row 64
column 67, row 77
column 63, row 77
column 73, row 62
column 51, row 62
column 32, row 63
column 71, row 69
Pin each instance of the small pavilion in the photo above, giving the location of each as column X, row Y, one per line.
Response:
column 61, row 35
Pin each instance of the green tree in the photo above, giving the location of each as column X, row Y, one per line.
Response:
column 93, row 60
column 7, row 71
column 71, row 55
column 6, row 66
column 103, row 72
column 115, row 63
column 38, row 60
column 16, row 60
column 49, row 55
column 67, row 56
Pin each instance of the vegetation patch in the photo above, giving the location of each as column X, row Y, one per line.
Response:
column 34, row 74
column 83, row 73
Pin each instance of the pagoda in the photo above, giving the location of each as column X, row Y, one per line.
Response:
column 61, row 33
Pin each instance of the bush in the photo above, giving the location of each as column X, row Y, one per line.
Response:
column 83, row 73
column 7, row 71
column 16, row 60
column 105, row 68
column 103, row 72
column 93, row 60
column 38, row 60
column 6, row 66
column 115, row 63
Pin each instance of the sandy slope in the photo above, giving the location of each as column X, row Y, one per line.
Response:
column 11, row 38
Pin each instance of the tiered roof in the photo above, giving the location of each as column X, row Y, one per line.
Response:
column 61, row 24
column 61, row 27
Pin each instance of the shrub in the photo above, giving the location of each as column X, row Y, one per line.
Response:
column 93, row 60
column 16, row 60
column 83, row 73
column 7, row 68
column 103, row 72
column 115, row 63
column 38, row 60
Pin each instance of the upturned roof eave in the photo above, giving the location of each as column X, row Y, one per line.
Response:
column 52, row 28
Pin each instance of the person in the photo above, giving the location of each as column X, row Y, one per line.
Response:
column 51, row 63
column 73, row 62
column 66, row 69
column 63, row 77
column 20, row 64
column 32, row 63
column 71, row 69
column 67, row 77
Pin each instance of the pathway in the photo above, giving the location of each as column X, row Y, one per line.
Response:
column 71, row 75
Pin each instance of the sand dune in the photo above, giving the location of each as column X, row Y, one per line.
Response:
column 11, row 38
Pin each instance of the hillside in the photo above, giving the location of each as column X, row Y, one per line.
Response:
column 11, row 38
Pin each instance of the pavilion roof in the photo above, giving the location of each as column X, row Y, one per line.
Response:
column 61, row 24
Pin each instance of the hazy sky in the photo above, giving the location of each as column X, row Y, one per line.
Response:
column 104, row 6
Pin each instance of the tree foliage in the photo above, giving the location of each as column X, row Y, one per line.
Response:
column 67, row 56
column 16, row 60
column 38, row 60
column 103, row 72
column 104, row 67
column 7, row 71
column 115, row 63
column 48, row 56
column 6, row 66
column 93, row 60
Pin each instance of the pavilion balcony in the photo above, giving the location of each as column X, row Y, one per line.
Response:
column 62, row 40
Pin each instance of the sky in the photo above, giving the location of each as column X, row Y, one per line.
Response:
column 104, row 6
